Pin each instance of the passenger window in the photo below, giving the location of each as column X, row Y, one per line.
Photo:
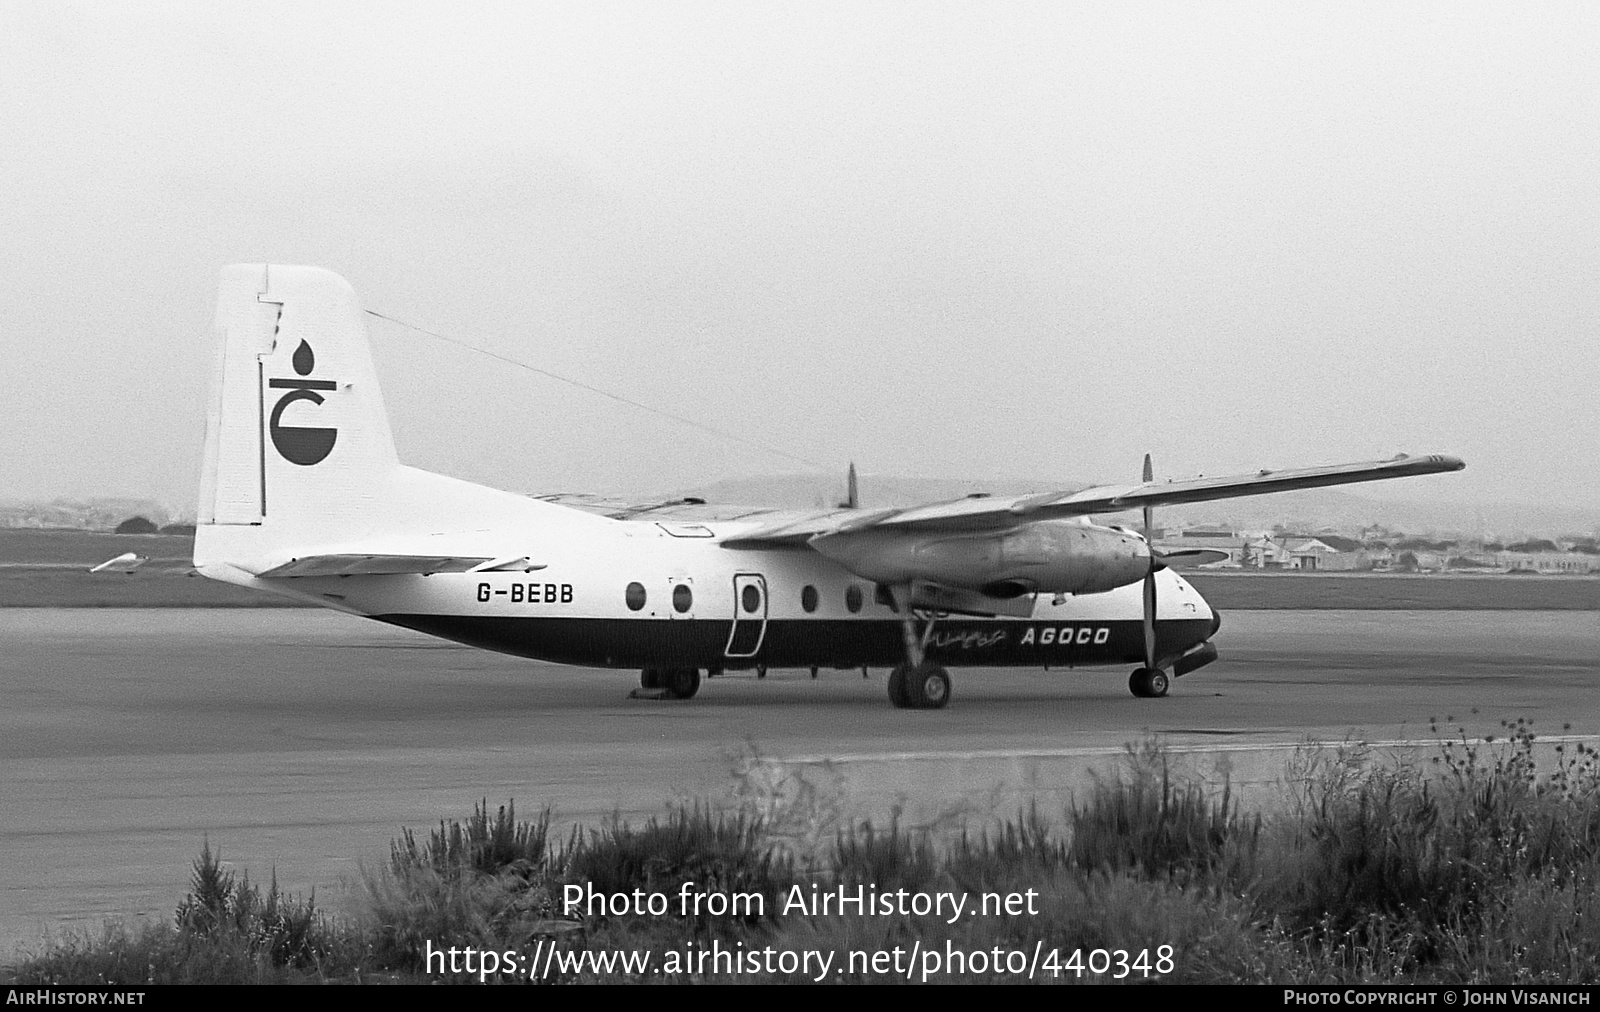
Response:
column 751, row 598
column 852, row 598
column 682, row 598
column 808, row 598
column 635, row 596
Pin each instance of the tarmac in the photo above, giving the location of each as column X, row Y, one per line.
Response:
column 301, row 742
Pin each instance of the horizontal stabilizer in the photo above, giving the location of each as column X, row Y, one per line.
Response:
column 127, row 562
column 1183, row 558
column 374, row 565
column 509, row 564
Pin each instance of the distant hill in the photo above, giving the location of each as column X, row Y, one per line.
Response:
column 96, row 514
column 1316, row 508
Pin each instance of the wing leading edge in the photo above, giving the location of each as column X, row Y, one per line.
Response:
column 984, row 513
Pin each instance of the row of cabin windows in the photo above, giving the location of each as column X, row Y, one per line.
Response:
column 750, row 598
column 682, row 597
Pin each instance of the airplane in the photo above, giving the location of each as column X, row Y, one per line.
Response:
column 303, row 495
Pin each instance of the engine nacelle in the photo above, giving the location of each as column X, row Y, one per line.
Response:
column 1045, row 556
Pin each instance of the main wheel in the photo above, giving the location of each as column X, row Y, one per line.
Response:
column 897, row 686
column 927, row 687
column 682, row 683
column 652, row 678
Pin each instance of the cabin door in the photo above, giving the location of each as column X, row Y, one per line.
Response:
column 749, row 615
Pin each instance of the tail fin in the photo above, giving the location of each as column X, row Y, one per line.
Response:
column 296, row 433
column 300, row 461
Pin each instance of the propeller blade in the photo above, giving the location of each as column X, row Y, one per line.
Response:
column 1150, row 620
column 1188, row 557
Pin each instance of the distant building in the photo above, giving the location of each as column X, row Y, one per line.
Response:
column 1309, row 554
column 1555, row 563
column 1333, row 553
column 1378, row 557
column 1245, row 550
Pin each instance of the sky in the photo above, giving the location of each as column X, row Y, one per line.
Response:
column 966, row 240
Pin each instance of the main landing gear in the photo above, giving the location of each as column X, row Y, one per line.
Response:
column 924, row 686
column 918, row 684
column 672, row 683
column 1149, row 683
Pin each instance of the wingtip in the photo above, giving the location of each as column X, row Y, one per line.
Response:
column 1430, row 462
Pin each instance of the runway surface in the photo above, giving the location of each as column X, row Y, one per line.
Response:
column 305, row 740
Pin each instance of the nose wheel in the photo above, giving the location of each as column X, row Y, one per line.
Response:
column 1149, row 683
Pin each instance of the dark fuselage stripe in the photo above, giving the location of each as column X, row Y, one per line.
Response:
column 795, row 643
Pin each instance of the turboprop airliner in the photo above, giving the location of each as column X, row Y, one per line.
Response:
column 302, row 495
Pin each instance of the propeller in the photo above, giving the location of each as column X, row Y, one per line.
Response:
column 1150, row 576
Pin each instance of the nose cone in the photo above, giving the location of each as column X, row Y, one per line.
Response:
column 1216, row 621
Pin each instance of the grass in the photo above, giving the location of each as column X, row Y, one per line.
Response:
column 1475, row 866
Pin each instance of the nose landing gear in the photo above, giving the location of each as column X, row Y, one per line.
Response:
column 1149, row 683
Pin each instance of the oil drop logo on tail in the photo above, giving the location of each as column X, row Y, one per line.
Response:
column 304, row 446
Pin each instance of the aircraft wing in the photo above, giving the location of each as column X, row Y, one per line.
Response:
column 981, row 513
column 395, row 565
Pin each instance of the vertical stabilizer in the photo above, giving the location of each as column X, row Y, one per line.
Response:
column 299, row 456
column 297, row 438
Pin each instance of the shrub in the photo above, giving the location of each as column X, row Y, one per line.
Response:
column 718, row 851
column 1019, row 848
column 225, row 931
column 484, row 882
column 281, row 931
column 1147, row 820
column 479, row 845
column 889, row 859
